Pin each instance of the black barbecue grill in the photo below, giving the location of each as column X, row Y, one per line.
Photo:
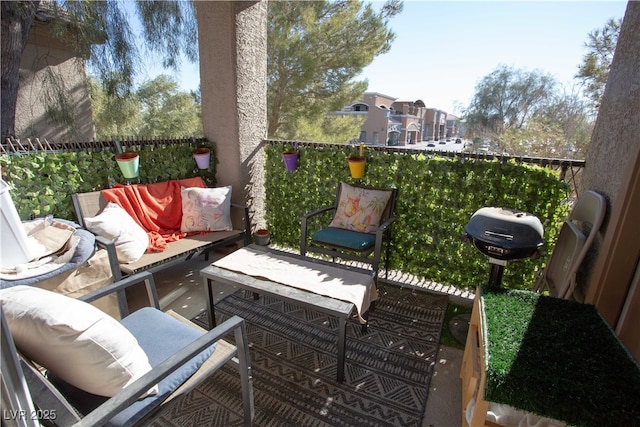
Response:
column 504, row 234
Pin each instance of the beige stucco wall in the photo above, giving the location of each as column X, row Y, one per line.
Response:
column 376, row 122
column 377, row 99
column 613, row 169
column 616, row 136
column 233, row 66
column 45, row 59
column 615, row 141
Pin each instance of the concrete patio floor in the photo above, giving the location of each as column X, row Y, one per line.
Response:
column 181, row 289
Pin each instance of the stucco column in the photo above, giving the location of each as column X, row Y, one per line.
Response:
column 613, row 169
column 614, row 141
column 233, row 78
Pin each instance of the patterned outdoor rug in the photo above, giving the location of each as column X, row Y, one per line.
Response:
column 293, row 357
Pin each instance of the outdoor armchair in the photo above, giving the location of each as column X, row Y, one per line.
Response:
column 180, row 356
column 360, row 226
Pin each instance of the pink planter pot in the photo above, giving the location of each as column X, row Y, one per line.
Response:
column 202, row 156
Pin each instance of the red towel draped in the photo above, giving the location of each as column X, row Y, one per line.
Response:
column 155, row 207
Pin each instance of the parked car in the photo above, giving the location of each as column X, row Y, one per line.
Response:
column 431, row 144
column 442, row 142
column 458, row 141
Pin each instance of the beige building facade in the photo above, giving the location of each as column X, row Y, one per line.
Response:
column 391, row 121
column 53, row 97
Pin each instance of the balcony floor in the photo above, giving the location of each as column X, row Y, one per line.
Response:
column 180, row 288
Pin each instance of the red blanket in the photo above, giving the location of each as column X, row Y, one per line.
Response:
column 155, row 207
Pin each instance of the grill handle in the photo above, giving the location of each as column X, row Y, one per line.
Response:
column 494, row 234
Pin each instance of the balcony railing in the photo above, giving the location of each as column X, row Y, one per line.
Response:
column 438, row 193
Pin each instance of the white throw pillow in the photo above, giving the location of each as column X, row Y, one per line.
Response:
column 206, row 209
column 74, row 340
column 115, row 224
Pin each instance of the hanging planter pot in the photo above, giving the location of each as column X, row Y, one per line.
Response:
column 357, row 163
column 129, row 164
column 202, row 156
column 356, row 166
column 290, row 160
column 290, row 157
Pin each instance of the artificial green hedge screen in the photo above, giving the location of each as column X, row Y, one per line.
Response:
column 42, row 183
column 437, row 197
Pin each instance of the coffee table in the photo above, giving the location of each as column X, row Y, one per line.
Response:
column 296, row 279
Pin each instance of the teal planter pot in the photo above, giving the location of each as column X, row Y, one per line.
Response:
column 129, row 164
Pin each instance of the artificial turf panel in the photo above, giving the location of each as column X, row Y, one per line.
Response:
column 558, row 359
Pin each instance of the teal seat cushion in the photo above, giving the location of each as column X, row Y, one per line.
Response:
column 344, row 238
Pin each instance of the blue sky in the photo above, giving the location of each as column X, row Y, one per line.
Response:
column 443, row 48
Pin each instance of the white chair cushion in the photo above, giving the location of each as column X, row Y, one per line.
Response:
column 74, row 340
column 115, row 224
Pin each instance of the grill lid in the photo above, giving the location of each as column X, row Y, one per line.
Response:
column 505, row 233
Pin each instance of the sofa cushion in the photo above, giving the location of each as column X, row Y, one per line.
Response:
column 115, row 224
column 206, row 209
column 360, row 209
column 74, row 340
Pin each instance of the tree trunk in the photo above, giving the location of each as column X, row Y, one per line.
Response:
column 17, row 19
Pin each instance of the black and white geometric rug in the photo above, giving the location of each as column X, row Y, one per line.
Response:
column 293, row 358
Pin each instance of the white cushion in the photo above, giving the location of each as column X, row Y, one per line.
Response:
column 115, row 224
column 74, row 340
column 206, row 209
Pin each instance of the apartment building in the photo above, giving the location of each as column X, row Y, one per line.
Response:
column 46, row 61
column 391, row 121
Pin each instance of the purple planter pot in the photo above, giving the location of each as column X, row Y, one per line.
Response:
column 290, row 160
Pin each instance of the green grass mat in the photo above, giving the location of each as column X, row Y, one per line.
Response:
column 558, row 359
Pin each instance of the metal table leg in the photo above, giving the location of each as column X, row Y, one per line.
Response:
column 342, row 339
column 211, row 315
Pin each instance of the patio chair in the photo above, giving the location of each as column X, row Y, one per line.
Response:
column 559, row 276
column 180, row 356
column 360, row 226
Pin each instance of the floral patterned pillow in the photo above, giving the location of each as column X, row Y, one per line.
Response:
column 206, row 209
column 360, row 209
